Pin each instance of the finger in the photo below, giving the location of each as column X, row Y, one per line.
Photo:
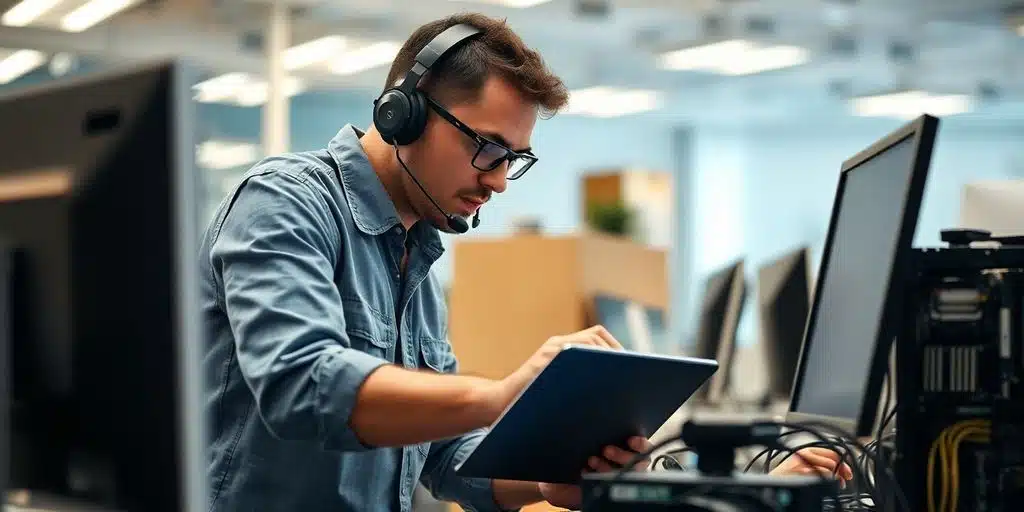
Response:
column 846, row 471
column 640, row 444
column 823, row 452
column 618, row 456
column 607, row 337
column 597, row 341
column 600, row 465
column 825, row 472
column 805, row 458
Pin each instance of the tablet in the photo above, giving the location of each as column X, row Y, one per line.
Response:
column 585, row 399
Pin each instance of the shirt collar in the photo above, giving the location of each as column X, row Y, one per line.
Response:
column 372, row 209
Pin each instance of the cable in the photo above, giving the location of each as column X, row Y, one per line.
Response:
column 946, row 446
column 599, row 487
column 669, row 457
column 813, row 427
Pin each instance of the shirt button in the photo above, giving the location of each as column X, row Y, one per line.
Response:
column 398, row 230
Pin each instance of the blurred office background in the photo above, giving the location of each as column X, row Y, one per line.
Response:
column 720, row 126
column 751, row 133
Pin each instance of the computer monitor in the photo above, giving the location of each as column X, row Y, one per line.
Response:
column 98, row 189
column 854, row 312
column 6, row 253
column 637, row 326
column 783, row 302
column 725, row 293
column 996, row 206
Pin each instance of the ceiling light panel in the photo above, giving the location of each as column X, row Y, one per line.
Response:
column 734, row 57
column 910, row 104
column 17, row 63
column 606, row 102
column 65, row 15
column 242, row 89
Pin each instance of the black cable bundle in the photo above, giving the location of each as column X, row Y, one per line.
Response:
column 872, row 474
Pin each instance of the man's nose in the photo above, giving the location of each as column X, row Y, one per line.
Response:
column 495, row 180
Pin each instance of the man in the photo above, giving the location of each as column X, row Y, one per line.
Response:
column 331, row 384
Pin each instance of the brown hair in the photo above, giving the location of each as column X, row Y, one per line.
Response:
column 460, row 76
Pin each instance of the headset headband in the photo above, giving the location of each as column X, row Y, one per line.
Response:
column 434, row 50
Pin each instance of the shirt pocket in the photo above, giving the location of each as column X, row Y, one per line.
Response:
column 436, row 354
column 368, row 330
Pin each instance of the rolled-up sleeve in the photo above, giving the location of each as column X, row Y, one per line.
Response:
column 275, row 254
column 439, row 477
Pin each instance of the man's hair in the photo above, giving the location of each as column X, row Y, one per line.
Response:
column 460, row 75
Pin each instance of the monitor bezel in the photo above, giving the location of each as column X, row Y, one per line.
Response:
column 802, row 255
column 725, row 353
column 922, row 132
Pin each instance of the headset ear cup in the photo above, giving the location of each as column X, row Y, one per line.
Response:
column 417, row 121
column 391, row 114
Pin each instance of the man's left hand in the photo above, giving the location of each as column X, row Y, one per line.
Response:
column 610, row 459
column 812, row 461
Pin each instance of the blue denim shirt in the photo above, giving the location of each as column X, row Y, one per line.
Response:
column 301, row 291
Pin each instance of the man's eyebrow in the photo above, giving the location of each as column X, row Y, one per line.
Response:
column 496, row 137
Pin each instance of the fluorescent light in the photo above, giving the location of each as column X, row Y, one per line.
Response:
column 734, row 57
column 312, row 52
column 27, row 11
column 221, row 154
column 92, row 13
column 910, row 104
column 607, row 102
column 517, row 4
column 257, row 92
column 367, row 57
column 20, row 63
column 221, row 89
column 242, row 89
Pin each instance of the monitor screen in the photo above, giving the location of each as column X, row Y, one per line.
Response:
column 873, row 222
column 636, row 326
column 712, row 312
column 98, row 196
column 724, row 299
column 783, row 296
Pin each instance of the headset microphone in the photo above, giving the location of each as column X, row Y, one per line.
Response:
column 458, row 224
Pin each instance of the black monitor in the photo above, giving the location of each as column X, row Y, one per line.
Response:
column 856, row 302
column 725, row 293
column 783, row 301
column 6, row 256
column 98, row 189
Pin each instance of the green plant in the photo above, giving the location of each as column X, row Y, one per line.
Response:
column 612, row 218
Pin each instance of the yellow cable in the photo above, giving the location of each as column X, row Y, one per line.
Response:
column 976, row 434
column 946, row 446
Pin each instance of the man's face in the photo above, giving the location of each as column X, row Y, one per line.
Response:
column 442, row 158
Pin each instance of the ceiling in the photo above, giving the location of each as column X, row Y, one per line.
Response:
column 855, row 47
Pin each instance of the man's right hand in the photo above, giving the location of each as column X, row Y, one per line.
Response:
column 512, row 385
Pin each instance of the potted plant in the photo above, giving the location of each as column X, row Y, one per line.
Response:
column 613, row 218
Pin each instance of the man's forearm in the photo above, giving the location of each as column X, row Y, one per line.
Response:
column 513, row 494
column 396, row 407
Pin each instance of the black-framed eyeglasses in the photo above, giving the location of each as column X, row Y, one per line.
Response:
column 489, row 154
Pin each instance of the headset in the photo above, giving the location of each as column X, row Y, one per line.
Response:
column 400, row 112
